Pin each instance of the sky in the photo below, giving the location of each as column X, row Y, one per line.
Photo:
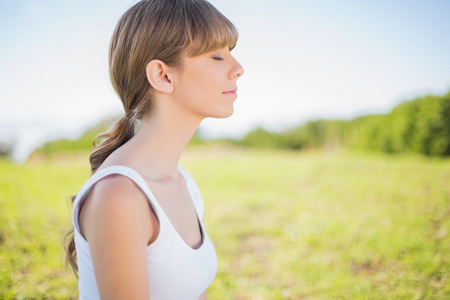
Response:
column 303, row 60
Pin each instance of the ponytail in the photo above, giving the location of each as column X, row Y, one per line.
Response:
column 106, row 143
column 69, row 247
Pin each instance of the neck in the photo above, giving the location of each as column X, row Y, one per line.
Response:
column 160, row 140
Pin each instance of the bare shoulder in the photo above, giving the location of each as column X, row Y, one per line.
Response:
column 116, row 189
column 118, row 224
column 113, row 198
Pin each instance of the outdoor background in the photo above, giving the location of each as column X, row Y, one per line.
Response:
column 330, row 181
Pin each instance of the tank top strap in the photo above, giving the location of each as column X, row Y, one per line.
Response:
column 117, row 169
column 194, row 192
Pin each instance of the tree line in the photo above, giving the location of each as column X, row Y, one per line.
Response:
column 418, row 126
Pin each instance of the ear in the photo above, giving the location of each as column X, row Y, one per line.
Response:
column 158, row 76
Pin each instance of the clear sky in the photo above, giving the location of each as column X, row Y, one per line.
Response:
column 303, row 60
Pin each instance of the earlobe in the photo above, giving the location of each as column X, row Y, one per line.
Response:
column 158, row 77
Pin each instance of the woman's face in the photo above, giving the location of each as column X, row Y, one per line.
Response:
column 206, row 84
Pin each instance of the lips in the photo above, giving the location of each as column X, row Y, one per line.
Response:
column 232, row 92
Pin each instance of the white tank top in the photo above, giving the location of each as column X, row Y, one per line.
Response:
column 175, row 270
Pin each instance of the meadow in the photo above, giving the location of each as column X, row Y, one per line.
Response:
column 285, row 224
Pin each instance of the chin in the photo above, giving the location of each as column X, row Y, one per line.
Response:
column 225, row 113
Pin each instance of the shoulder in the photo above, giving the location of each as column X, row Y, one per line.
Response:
column 116, row 194
column 119, row 224
column 117, row 188
column 117, row 197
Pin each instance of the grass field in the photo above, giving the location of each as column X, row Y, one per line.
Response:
column 286, row 225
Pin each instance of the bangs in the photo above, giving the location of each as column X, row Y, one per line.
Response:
column 207, row 29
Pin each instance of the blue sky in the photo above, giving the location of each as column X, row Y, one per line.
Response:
column 303, row 60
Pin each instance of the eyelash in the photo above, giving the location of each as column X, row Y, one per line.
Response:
column 218, row 58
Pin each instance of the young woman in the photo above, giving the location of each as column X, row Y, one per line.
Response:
column 138, row 230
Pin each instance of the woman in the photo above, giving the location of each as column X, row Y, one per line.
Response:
column 138, row 231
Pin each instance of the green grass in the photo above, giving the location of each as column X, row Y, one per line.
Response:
column 286, row 225
column 34, row 215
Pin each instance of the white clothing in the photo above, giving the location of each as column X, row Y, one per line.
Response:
column 175, row 270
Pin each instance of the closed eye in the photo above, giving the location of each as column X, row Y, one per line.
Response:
column 218, row 58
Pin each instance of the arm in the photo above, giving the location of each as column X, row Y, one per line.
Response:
column 203, row 296
column 118, row 223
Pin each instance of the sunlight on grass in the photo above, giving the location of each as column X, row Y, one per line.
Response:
column 286, row 225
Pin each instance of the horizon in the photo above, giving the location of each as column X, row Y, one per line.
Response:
column 54, row 135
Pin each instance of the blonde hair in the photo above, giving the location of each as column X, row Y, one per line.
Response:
column 152, row 29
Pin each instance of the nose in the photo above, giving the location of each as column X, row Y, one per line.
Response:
column 238, row 70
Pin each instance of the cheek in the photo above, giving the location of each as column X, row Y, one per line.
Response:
column 202, row 85
column 205, row 77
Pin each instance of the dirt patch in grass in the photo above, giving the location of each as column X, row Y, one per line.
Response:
column 368, row 267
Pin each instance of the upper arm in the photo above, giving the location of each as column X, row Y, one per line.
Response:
column 117, row 224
